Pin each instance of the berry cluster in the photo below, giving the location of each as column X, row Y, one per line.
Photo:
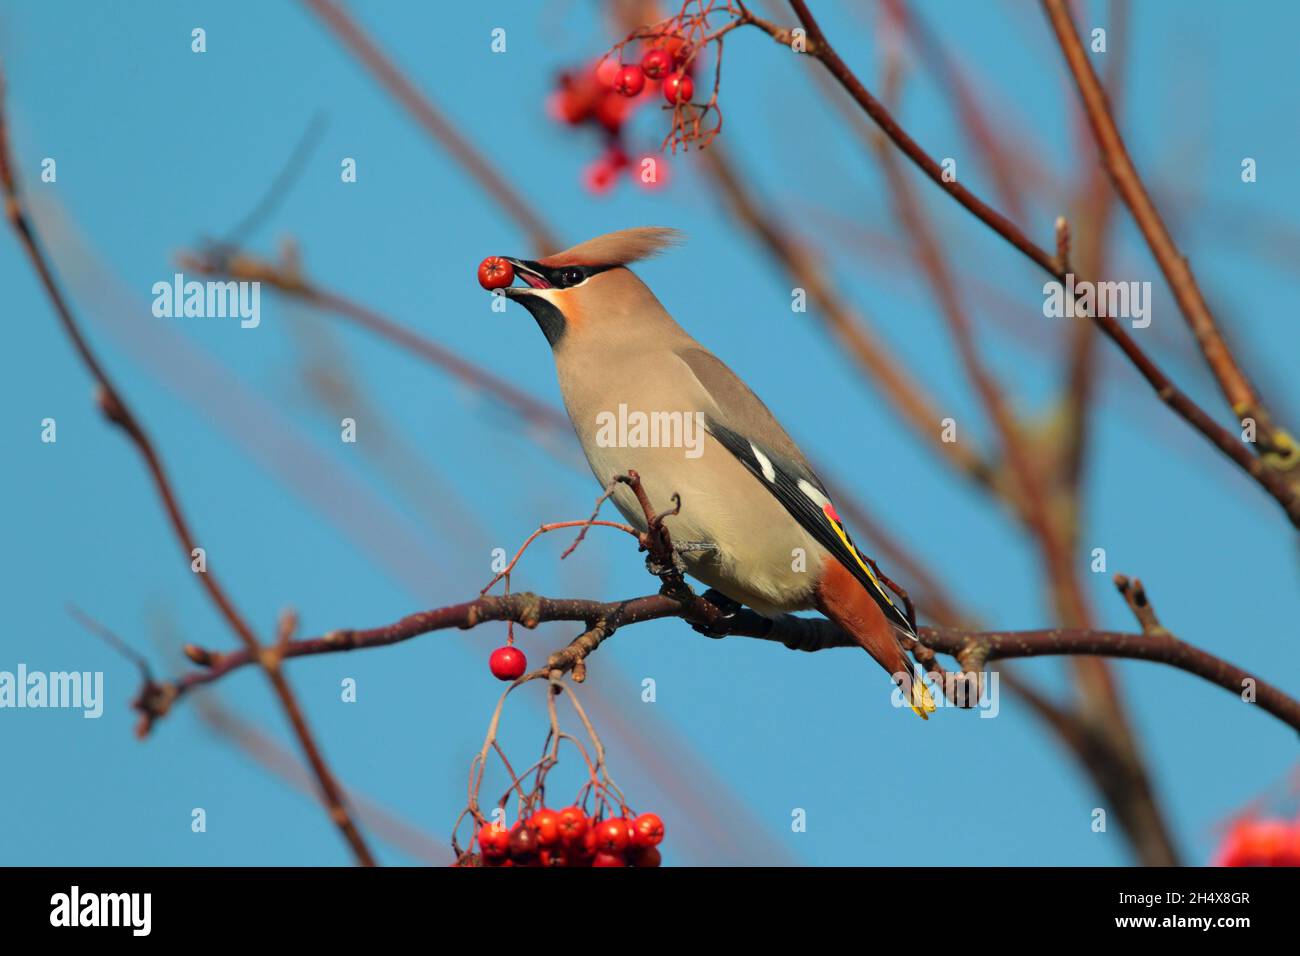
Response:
column 542, row 836
column 605, row 97
column 1261, row 842
column 569, row 837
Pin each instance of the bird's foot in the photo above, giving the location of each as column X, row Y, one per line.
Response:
column 718, row 628
column 655, row 564
column 659, row 568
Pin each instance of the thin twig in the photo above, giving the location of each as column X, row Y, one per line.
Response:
column 1275, row 484
column 1277, row 445
column 899, row 388
column 348, row 32
column 116, row 409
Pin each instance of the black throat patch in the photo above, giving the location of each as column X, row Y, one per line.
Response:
column 549, row 319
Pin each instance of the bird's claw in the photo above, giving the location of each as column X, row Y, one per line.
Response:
column 727, row 608
column 659, row 568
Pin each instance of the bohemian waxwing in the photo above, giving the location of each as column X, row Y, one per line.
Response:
column 756, row 523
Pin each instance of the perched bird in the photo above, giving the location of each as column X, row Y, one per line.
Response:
column 756, row 524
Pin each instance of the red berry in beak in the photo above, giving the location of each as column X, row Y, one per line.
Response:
column 495, row 273
column 678, row 88
column 630, row 80
column 507, row 663
column 657, row 63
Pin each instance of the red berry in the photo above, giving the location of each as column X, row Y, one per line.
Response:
column 495, row 273
column 551, row 857
column 577, row 855
column 656, row 63
column 607, row 71
column 647, row 830
column 523, row 844
column 630, row 80
column 611, row 111
column 615, row 158
column 600, row 176
column 1260, row 842
column 494, row 841
column 611, row 835
column 608, row 859
column 546, row 823
column 678, row 88
column 1292, row 850
column 646, row 856
column 566, row 105
column 507, row 663
column 677, row 46
column 1264, row 841
column 572, row 825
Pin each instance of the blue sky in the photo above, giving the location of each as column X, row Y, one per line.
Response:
column 158, row 147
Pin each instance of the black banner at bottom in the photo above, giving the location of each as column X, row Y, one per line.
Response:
column 336, row 905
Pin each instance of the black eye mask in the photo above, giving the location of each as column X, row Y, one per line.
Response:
column 558, row 277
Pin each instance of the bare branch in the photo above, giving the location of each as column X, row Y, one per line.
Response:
column 116, row 409
column 348, row 32
column 975, row 648
column 1286, row 493
column 1279, row 448
column 899, row 388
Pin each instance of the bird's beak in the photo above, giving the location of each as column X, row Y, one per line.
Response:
column 530, row 272
column 535, row 298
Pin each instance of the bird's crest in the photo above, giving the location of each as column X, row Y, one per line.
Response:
column 618, row 248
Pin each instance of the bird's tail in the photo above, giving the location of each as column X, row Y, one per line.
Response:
column 843, row 599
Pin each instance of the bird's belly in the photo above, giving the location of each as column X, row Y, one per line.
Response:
column 732, row 534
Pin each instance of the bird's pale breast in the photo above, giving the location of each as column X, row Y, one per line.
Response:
column 757, row 553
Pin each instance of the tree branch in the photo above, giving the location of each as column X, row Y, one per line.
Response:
column 1277, row 445
column 972, row 649
column 1275, row 484
column 116, row 409
column 348, row 32
column 234, row 264
column 898, row 387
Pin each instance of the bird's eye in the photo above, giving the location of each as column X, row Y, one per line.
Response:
column 571, row 276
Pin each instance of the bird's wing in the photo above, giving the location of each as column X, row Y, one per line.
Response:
column 743, row 425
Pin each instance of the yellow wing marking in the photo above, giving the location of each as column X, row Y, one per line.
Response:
column 858, row 558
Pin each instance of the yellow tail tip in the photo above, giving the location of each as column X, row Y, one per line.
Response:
column 922, row 702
